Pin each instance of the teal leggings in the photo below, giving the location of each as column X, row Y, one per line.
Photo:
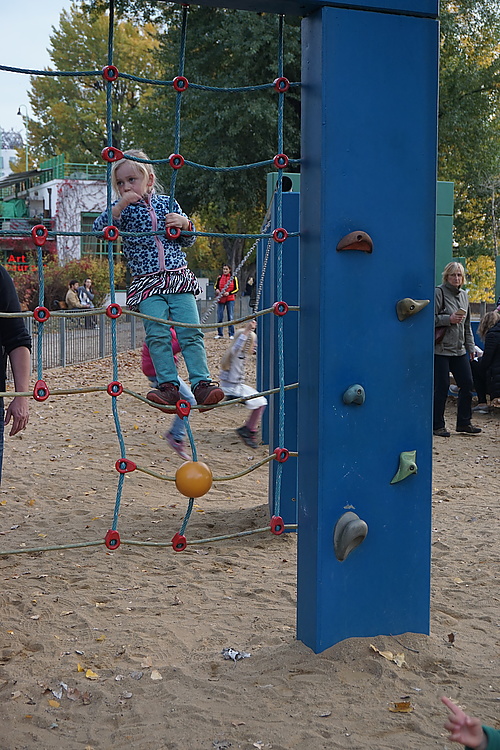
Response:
column 181, row 308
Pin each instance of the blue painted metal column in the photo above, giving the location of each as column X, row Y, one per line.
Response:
column 369, row 164
column 290, row 289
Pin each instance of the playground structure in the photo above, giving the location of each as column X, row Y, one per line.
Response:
column 362, row 415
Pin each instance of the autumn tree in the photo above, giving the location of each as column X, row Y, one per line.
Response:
column 69, row 111
column 469, row 130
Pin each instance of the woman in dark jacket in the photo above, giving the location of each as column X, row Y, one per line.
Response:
column 454, row 351
column 486, row 370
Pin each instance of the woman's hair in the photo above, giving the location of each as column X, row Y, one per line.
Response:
column 146, row 170
column 226, row 265
column 451, row 268
column 487, row 322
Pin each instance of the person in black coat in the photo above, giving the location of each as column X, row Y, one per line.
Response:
column 486, row 371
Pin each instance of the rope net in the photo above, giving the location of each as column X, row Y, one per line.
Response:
column 115, row 389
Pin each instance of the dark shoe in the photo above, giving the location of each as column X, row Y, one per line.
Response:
column 469, row 429
column 207, row 393
column 167, row 394
column 248, row 437
column 441, row 432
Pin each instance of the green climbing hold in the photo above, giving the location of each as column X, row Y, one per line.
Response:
column 407, row 466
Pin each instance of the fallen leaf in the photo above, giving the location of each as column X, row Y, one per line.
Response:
column 398, row 659
column 401, row 707
column 53, row 703
column 155, row 675
column 90, row 675
column 101, row 638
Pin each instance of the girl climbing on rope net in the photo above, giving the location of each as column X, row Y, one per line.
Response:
column 231, row 376
column 162, row 285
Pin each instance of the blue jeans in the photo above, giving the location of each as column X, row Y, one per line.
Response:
column 1, row 435
column 229, row 306
column 177, row 429
column 181, row 308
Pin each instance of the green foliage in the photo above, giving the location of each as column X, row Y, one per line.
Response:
column 56, row 279
column 469, row 130
column 481, row 279
column 70, row 112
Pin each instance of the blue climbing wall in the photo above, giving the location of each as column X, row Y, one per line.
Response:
column 369, row 163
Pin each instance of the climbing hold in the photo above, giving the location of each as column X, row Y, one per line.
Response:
column 39, row 234
column 115, row 388
column 281, row 454
column 41, row 391
column 277, row 525
column 179, row 542
column 176, row 161
column 193, row 479
column 112, row 539
column 173, row 233
column 110, row 153
column 113, row 310
column 123, row 466
column 280, row 161
column 111, row 233
column 110, row 73
column 280, row 308
column 355, row 394
column 281, row 84
column 408, row 306
column 356, row 241
column 182, row 408
column 41, row 314
column 180, row 83
column 280, row 234
column 407, row 466
column 349, row 532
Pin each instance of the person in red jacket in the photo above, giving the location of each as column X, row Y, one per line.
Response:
column 226, row 287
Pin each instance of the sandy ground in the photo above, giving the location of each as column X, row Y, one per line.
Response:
column 103, row 649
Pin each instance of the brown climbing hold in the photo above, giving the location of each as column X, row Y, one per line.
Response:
column 356, row 241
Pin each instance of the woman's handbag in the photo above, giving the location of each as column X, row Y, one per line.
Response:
column 439, row 332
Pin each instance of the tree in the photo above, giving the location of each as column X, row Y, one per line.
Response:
column 481, row 279
column 469, row 104
column 10, row 138
column 69, row 112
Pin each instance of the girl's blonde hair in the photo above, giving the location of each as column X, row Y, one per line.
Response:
column 487, row 322
column 146, row 170
column 453, row 267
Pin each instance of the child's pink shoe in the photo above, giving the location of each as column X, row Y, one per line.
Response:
column 177, row 445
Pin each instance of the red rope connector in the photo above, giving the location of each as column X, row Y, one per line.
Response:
column 39, row 234
column 176, row 161
column 111, row 233
column 281, row 84
column 179, row 542
column 41, row 391
column 280, row 234
column 280, row 308
column 282, row 455
column 180, row 83
column 173, row 233
column 123, row 466
column 110, row 73
column 277, row 526
column 41, row 314
column 182, row 408
column 114, row 310
column 115, row 388
column 112, row 539
column 110, row 153
column 280, row 161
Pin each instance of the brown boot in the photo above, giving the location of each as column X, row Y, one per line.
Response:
column 207, row 393
column 167, row 394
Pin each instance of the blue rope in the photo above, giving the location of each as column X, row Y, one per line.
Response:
column 41, row 326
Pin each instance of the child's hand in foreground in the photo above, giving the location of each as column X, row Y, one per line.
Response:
column 463, row 728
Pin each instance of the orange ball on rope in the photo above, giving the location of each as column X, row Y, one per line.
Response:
column 193, row 479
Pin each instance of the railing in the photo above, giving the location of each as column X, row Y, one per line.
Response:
column 66, row 340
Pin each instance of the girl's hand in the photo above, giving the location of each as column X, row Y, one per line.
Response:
column 176, row 220
column 464, row 729
column 128, row 197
